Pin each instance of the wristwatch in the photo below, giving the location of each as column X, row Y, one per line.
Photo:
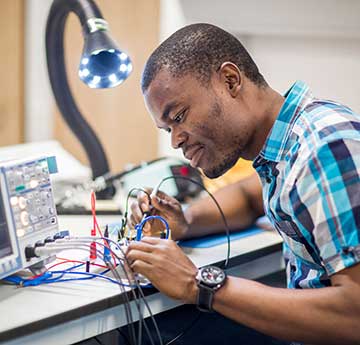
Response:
column 209, row 280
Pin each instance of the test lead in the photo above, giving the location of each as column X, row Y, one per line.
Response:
column 107, row 256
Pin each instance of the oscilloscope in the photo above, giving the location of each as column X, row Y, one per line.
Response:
column 27, row 212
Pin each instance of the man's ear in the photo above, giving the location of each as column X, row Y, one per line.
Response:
column 231, row 76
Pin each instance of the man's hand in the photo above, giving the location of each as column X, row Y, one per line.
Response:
column 166, row 266
column 162, row 205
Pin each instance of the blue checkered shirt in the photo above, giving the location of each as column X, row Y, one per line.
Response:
column 309, row 168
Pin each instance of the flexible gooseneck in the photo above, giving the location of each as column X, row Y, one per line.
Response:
column 102, row 65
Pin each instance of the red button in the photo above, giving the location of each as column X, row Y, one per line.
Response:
column 184, row 171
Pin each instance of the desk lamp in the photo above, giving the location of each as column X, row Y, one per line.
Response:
column 102, row 65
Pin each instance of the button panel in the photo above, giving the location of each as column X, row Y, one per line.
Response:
column 31, row 197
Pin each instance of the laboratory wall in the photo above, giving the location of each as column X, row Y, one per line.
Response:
column 12, row 72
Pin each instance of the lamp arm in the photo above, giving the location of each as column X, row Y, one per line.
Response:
column 84, row 9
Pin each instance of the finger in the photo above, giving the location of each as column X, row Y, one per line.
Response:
column 136, row 212
column 133, row 221
column 146, row 230
column 151, row 241
column 142, row 267
column 161, row 204
column 163, row 195
column 147, row 227
column 141, row 245
column 144, row 201
column 134, row 255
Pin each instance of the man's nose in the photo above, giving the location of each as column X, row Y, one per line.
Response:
column 178, row 138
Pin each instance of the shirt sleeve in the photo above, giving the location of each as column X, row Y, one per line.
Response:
column 326, row 202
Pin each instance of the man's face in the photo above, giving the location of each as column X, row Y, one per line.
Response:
column 204, row 121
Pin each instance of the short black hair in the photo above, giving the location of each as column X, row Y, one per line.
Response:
column 199, row 49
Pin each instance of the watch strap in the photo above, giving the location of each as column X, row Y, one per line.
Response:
column 205, row 298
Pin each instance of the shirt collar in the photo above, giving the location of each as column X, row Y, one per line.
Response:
column 296, row 98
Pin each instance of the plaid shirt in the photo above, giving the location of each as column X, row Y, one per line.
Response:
column 309, row 168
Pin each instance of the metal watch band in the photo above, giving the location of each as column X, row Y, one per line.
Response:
column 205, row 298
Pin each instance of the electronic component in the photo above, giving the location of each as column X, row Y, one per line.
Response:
column 27, row 212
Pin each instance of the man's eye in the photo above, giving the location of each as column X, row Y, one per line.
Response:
column 179, row 117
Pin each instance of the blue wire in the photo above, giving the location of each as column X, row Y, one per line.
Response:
column 94, row 275
column 139, row 227
column 45, row 277
column 64, row 280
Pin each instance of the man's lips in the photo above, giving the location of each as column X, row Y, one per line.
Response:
column 193, row 154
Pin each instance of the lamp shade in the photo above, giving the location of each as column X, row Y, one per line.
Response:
column 102, row 63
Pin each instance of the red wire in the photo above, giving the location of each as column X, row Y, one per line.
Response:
column 96, row 225
column 65, row 261
column 75, row 261
column 93, row 211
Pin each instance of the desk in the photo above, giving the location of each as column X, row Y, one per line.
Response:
column 65, row 313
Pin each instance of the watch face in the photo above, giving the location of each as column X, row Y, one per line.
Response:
column 212, row 275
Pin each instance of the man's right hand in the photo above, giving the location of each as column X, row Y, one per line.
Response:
column 162, row 205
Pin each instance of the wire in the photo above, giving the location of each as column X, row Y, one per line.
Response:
column 139, row 227
column 142, row 298
column 227, row 229
column 60, row 276
column 98, row 341
column 128, row 313
column 94, row 275
column 127, row 303
column 131, row 191
column 77, row 261
column 124, row 336
column 135, row 298
column 185, row 330
column 141, row 319
column 126, row 306
column 56, row 264
column 96, row 225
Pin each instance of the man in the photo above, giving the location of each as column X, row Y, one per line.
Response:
column 202, row 86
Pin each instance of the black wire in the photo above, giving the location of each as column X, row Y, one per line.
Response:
column 139, row 310
column 144, row 301
column 141, row 319
column 151, row 316
column 109, row 177
column 127, row 307
column 98, row 341
column 227, row 229
column 191, row 325
column 129, row 317
column 124, row 222
column 138, row 190
column 116, row 275
column 124, row 336
column 142, row 297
